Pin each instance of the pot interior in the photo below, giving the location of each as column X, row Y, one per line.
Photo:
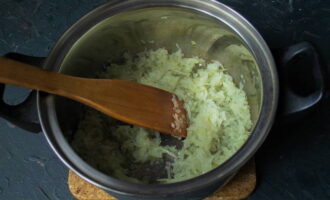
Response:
column 195, row 33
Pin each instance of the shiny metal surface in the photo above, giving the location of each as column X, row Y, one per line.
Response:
column 134, row 25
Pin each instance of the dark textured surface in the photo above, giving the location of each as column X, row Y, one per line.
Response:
column 293, row 163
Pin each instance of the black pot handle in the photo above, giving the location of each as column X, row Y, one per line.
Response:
column 302, row 79
column 25, row 114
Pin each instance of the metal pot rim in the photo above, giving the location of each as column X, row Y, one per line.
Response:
column 47, row 114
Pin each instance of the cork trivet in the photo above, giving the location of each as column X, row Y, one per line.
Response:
column 239, row 187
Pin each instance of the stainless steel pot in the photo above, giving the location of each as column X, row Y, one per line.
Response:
column 133, row 25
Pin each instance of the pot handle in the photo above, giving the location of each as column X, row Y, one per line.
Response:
column 25, row 114
column 302, row 79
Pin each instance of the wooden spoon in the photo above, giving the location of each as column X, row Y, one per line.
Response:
column 127, row 101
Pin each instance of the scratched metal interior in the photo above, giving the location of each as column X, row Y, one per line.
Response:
column 133, row 32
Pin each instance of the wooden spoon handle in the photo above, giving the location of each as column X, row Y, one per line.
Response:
column 24, row 75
